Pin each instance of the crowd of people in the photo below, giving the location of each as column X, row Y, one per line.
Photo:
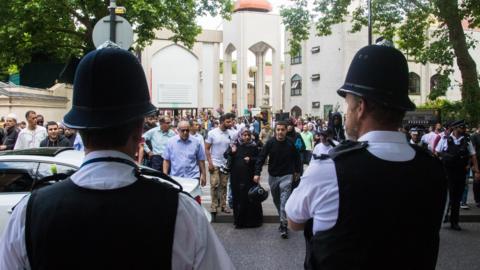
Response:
column 353, row 163
column 35, row 133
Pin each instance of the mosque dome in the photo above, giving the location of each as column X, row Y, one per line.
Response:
column 252, row 5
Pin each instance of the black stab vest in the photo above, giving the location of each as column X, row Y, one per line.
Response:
column 70, row 227
column 389, row 214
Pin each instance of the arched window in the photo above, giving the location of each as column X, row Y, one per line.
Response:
column 434, row 81
column 296, row 59
column 296, row 85
column 413, row 84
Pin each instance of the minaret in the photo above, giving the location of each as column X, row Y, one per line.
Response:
column 252, row 28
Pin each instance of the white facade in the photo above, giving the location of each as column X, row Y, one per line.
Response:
column 180, row 78
column 327, row 57
column 258, row 32
column 331, row 62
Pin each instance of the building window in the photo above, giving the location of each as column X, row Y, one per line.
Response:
column 297, row 59
column 413, row 84
column 315, row 77
column 316, row 49
column 434, row 80
column 296, row 85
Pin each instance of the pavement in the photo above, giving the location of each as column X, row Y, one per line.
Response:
column 270, row 214
column 262, row 248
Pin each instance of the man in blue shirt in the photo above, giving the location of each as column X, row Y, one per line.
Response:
column 184, row 156
column 158, row 137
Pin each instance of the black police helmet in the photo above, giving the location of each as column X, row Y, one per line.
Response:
column 458, row 123
column 257, row 194
column 109, row 89
column 379, row 73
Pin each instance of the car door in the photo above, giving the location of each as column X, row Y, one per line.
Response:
column 16, row 181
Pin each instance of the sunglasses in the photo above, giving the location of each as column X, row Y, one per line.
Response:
column 183, row 130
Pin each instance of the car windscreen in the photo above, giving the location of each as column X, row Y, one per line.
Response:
column 17, row 176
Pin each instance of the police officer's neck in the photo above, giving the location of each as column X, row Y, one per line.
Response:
column 370, row 125
column 123, row 149
column 457, row 134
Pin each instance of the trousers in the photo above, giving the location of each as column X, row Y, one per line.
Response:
column 456, row 186
column 218, row 184
column 280, row 188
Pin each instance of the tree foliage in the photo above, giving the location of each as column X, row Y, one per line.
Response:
column 426, row 31
column 36, row 30
column 449, row 110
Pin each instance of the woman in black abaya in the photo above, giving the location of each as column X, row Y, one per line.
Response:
column 243, row 154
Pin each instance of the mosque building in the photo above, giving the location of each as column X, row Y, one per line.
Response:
column 188, row 81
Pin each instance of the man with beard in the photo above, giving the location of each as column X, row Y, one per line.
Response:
column 337, row 127
column 217, row 142
column 11, row 133
column 344, row 194
column 70, row 134
column 54, row 139
column 455, row 151
column 283, row 166
column 150, row 122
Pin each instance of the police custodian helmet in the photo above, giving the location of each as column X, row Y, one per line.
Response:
column 109, row 89
column 379, row 73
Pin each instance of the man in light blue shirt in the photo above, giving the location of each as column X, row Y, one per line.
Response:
column 184, row 155
column 157, row 138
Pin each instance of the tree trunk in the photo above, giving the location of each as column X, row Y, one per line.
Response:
column 449, row 13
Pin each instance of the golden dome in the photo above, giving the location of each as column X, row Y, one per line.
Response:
column 252, row 5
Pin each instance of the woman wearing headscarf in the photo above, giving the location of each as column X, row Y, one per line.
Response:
column 243, row 154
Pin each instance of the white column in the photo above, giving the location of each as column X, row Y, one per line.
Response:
column 259, row 78
column 275, row 91
column 242, row 81
column 216, row 78
column 227, row 82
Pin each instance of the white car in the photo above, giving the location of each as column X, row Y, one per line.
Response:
column 20, row 169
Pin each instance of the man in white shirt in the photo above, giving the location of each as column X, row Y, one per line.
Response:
column 340, row 196
column 216, row 144
column 31, row 136
column 108, row 215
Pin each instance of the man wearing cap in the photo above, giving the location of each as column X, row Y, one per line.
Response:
column 108, row 215
column 11, row 133
column 31, row 136
column 455, row 151
column 345, row 195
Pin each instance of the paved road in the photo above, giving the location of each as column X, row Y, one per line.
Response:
column 262, row 248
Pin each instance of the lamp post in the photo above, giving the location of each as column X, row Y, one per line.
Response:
column 369, row 22
column 253, row 70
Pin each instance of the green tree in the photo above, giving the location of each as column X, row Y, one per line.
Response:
column 427, row 31
column 32, row 30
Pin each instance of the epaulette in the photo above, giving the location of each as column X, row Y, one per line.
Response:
column 346, row 147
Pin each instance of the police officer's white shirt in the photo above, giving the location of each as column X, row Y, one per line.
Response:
column 442, row 145
column 195, row 244
column 317, row 194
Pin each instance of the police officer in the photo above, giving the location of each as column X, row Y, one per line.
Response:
column 376, row 203
column 108, row 215
column 456, row 150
